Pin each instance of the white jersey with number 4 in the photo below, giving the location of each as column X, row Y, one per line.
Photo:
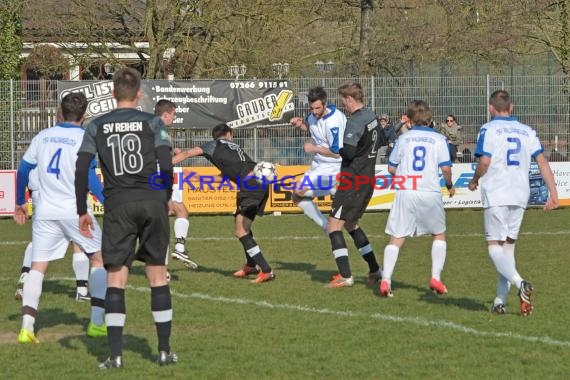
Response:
column 418, row 155
column 510, row 145
column 54, row 151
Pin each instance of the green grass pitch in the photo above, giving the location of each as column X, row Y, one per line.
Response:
column 293, row 327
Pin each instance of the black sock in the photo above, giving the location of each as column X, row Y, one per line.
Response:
column 249, row 261
column 25, row 270
column 253, row 251
column 115, row 319
column 79, row 283
column 339, row 244
column 361, row 242
column 161, row 306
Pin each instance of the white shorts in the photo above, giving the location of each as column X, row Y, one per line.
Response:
column 321, row 178
column 416, row 213
column 50, row 238
column 502, row 222
column 176, row 188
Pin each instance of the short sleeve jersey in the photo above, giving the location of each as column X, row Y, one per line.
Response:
column 54, row 151
column 363, row 132
column 327, row 132
column 125, row 140
column 420, row 152
column 511, row 145
column 229, row 158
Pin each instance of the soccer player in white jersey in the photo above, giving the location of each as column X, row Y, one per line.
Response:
column 53, row 153
column 417, row 157
column 80, row 261
column 505, row 148
column 326, row 125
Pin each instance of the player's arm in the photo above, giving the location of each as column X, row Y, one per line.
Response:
column 93, row 182
column 22, row 178
column 298, row 122
column 482, row 167
column 323, row 151
column 394, row 159
column 194, row 152
column 446, row 171
column 546, row 173
column 483, row 151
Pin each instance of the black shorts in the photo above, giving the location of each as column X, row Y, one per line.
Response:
column 350, row 204
column 146, row 222
column 251, row 203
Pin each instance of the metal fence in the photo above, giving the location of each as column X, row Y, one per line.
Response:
column 540, row 101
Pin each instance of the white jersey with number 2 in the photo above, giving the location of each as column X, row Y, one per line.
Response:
column 510, row 145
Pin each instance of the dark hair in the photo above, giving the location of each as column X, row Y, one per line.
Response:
column 419, row 112
column 353, row 90
column 220, row 130
column 126, row 84
column 73, row 106
column 162, row 106
column 501, row 101
column 451, row 116
column 317, row 93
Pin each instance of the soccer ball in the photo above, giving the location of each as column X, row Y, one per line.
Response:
column 265, row 172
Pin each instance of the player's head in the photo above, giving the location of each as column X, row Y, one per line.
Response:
column 222, row 131
column 351, row 95
column 317, row 98
column 73, row 106
column 419, row 113
column 500, row 103
column 166, row 110
column 126, row 84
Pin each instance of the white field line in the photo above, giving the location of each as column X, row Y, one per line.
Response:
column 319, row 236
column 417, row 321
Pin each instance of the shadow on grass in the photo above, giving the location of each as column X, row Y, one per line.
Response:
column 99, row 348
column 59, row 287
column 317, row 275
column 52, row 317
column 447, row 300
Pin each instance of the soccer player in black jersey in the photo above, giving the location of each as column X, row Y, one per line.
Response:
column 235, row 165
column 129, row 144
column 362, row 138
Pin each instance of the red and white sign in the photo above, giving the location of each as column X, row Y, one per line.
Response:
column 7, row 192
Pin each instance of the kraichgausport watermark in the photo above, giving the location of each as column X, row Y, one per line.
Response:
column 342, row 181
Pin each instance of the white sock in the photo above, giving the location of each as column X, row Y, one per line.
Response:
column 80, row 265
column 27, row 262
column 438, row 254
column 181, row 226
column 390, row 258
column 505, row 266
column 31, row 297
column 311, row 209
column 503, row 284
column 98, row 288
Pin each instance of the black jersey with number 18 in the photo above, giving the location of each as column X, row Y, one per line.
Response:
column 125, row 140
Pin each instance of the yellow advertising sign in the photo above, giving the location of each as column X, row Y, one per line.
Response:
column 204, row 197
